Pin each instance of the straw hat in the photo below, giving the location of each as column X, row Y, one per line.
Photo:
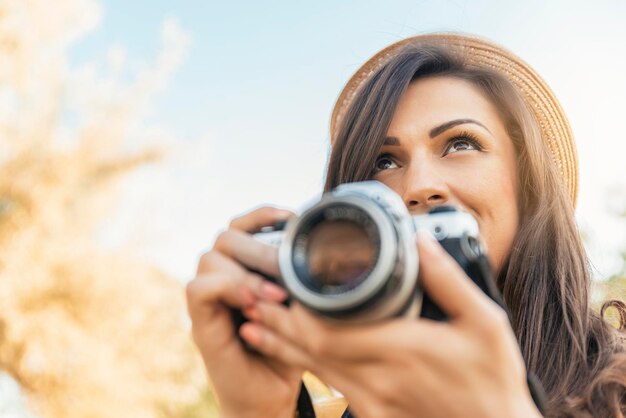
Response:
column 480, row 53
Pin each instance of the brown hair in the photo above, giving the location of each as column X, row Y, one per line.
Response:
column 545, row 281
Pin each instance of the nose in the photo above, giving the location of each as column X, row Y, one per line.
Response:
column 424, row 189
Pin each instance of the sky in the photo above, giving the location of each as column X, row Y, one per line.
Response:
column 248, row 109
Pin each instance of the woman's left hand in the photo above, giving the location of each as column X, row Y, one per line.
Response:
column 470, row 366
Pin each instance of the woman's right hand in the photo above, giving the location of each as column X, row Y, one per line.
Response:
column 246, row 384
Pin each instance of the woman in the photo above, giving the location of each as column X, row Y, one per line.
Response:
column 440, row 119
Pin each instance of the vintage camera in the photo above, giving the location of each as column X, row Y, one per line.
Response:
column 351, row 256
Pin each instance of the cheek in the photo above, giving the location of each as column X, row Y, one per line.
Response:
column 487, row 187
column 393, row 180
column 495, row 201
column 488, row 190
column 499, row 237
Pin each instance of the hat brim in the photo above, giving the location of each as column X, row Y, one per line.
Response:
column 481, row 53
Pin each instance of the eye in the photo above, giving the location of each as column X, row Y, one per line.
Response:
column 463, row 142
column 384, row 162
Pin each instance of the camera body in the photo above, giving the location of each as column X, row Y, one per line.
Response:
column 351, row 256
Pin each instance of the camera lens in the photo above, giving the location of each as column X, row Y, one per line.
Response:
column 351, row 256
column 339, row 253
column 335, row 248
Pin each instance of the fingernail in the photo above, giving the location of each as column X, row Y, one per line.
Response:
column 251, row 333
column 252, row 312
column 272, row 291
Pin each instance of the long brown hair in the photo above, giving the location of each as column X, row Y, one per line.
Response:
column 545, row 281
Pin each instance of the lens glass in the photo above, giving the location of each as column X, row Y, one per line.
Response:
column 339, row 253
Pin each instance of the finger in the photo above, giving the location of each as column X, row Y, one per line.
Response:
column 243, row 248
column 253, row 221
column 271, row 344
column 216, row 261
column 212, row 325
column 276, row 317
column 213, row 260
column 207, row 298
column 446, row 283
column 205, row 291
column 292, row 324
column 334, row 342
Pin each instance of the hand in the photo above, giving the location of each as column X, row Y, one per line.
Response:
column 245, row 383
column 470, row 366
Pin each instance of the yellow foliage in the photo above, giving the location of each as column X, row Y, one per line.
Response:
column 86, row 332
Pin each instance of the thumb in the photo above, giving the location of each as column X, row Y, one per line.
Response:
column 446, row 283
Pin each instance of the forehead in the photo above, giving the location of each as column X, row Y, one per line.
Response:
column 431, row 101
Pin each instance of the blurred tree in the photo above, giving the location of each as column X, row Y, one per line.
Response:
column 85, row 332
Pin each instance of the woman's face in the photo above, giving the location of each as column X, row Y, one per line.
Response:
column 448, row 145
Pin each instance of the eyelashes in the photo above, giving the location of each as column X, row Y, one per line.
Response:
column 464, row 137
column 382, row 160
column 466, row 141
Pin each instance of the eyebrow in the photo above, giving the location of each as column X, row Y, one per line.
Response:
column 438, row 130
column 448, row 125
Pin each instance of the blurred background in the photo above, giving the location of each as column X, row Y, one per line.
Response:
column 131, row 132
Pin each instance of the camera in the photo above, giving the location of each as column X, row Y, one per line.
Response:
column 351, row 256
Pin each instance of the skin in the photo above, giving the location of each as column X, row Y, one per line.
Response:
column 405, row 367
column 428, row 172
column 271, row 387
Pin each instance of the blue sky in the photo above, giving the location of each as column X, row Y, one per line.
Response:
column 251, row 103
column 253, row 49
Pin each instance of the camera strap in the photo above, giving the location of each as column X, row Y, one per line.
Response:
column 305, row 408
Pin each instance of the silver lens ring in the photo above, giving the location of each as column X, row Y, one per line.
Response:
column 366, row 289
